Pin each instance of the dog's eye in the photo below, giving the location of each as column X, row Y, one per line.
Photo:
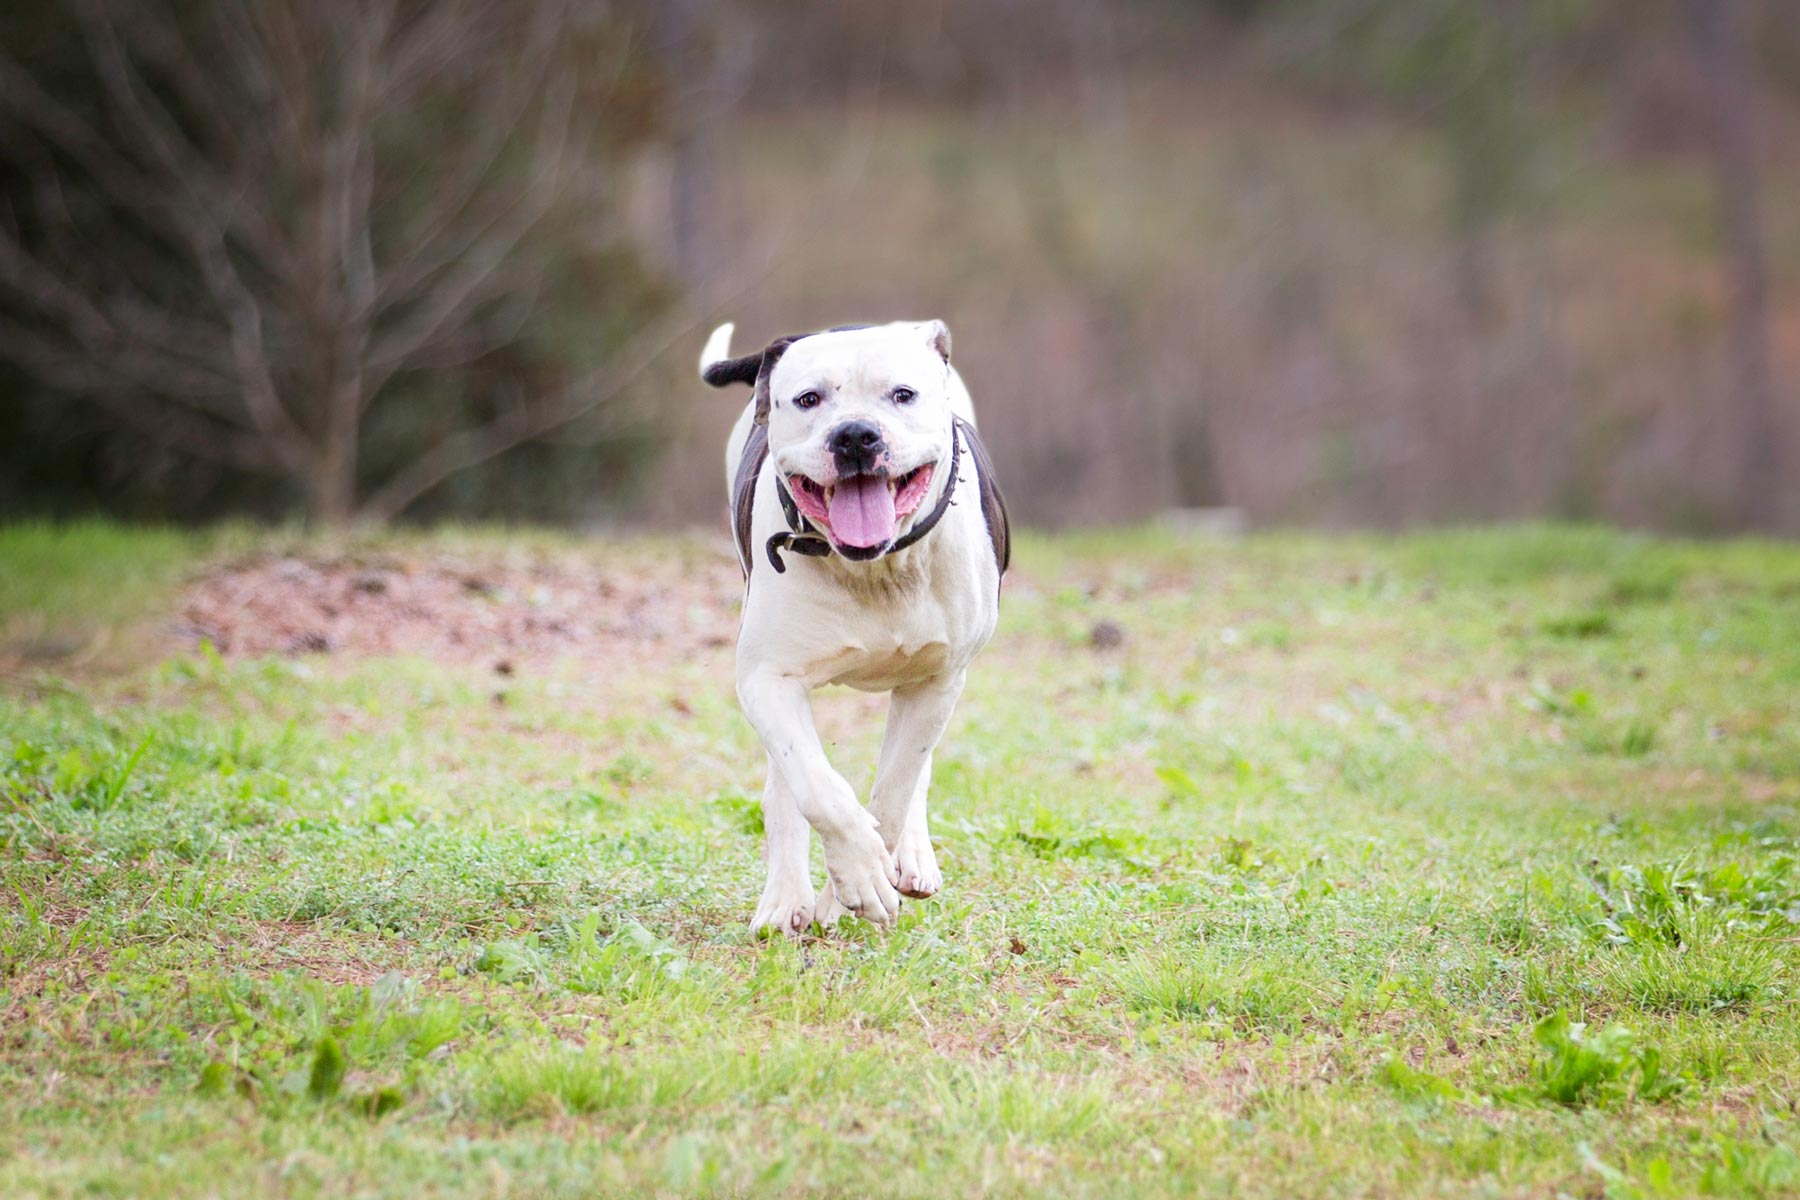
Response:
column 807, row 400
column 904, row 395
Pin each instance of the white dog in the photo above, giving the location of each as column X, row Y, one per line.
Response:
column 872, row 537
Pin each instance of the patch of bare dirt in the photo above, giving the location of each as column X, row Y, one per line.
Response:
column 502, row 613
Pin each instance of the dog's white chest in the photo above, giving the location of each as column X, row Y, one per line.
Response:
column 886, row 666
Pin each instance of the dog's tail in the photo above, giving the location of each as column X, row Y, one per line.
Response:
column 718, row 369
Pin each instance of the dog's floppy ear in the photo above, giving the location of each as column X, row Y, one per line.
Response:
column 765, row 365
column 938, row 334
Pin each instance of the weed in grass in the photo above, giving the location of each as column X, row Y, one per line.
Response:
column 631, row 963
column 1593, row 624
column 1707, row 967
column 1638, row 740
column 1577, row 1069
column 327, row 1074
column 1422, row 1086
column 510, row 959
column 1649, row 582
column 1643, row 903
column 628, row 770
column 1181, row 786
column 214, row 1081
column 1576, row 702
column 1740, row 1168
column 290, row 1040
column 1051, row 834
column 1632, row 739
column 740, row 812
column 1673, row 903
column 1239, row 854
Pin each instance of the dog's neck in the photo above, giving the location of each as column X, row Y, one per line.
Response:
column 903, row 573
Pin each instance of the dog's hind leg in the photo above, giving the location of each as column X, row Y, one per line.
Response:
column 787, row 897
column 917, row 718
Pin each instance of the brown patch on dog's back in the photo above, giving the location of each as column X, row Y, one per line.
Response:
column 743, row 494
column 993, row 504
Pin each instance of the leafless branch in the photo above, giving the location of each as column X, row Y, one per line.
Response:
column 253, row 269
column 513, row 428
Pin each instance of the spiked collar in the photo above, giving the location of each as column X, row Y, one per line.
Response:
column 802, row 538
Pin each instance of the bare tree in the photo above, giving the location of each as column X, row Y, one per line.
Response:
column 1718, row 48
column 272, row 215
column 683, row 29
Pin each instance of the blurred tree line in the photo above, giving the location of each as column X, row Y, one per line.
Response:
column 382, row 259
column 359, row 257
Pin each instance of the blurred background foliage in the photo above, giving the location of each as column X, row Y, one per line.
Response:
column 1339, row 262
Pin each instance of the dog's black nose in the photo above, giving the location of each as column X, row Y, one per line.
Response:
column 856, row 445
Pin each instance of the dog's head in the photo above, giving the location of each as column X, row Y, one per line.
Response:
column 859, row 422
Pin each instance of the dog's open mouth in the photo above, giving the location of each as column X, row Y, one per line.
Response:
column 861, row 512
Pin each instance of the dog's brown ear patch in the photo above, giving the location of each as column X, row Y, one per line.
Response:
column 770, row 357
column 939, row 335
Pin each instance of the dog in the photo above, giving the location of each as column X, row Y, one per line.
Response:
column 873, row 538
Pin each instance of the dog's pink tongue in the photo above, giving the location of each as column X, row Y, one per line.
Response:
column 862, row 511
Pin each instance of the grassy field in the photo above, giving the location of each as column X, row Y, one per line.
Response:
column 1456, row 864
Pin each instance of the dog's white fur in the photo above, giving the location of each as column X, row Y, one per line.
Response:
column 907, row 623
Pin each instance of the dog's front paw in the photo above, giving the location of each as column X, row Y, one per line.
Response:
column 862, row 880
column 829, row 911
column 786, row 907
column 917, row 865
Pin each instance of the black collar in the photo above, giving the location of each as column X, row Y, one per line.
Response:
column 802, row 538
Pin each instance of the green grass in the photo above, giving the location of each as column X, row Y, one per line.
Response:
column 1458, row 864
column 65, row 589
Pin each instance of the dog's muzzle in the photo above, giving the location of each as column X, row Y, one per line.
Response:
column 802, row 538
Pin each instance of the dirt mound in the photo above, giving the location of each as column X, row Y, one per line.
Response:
column 456, row 609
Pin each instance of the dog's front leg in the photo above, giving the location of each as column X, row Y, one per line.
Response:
column 917, row 718
column 860, row 868
column 787, row 897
